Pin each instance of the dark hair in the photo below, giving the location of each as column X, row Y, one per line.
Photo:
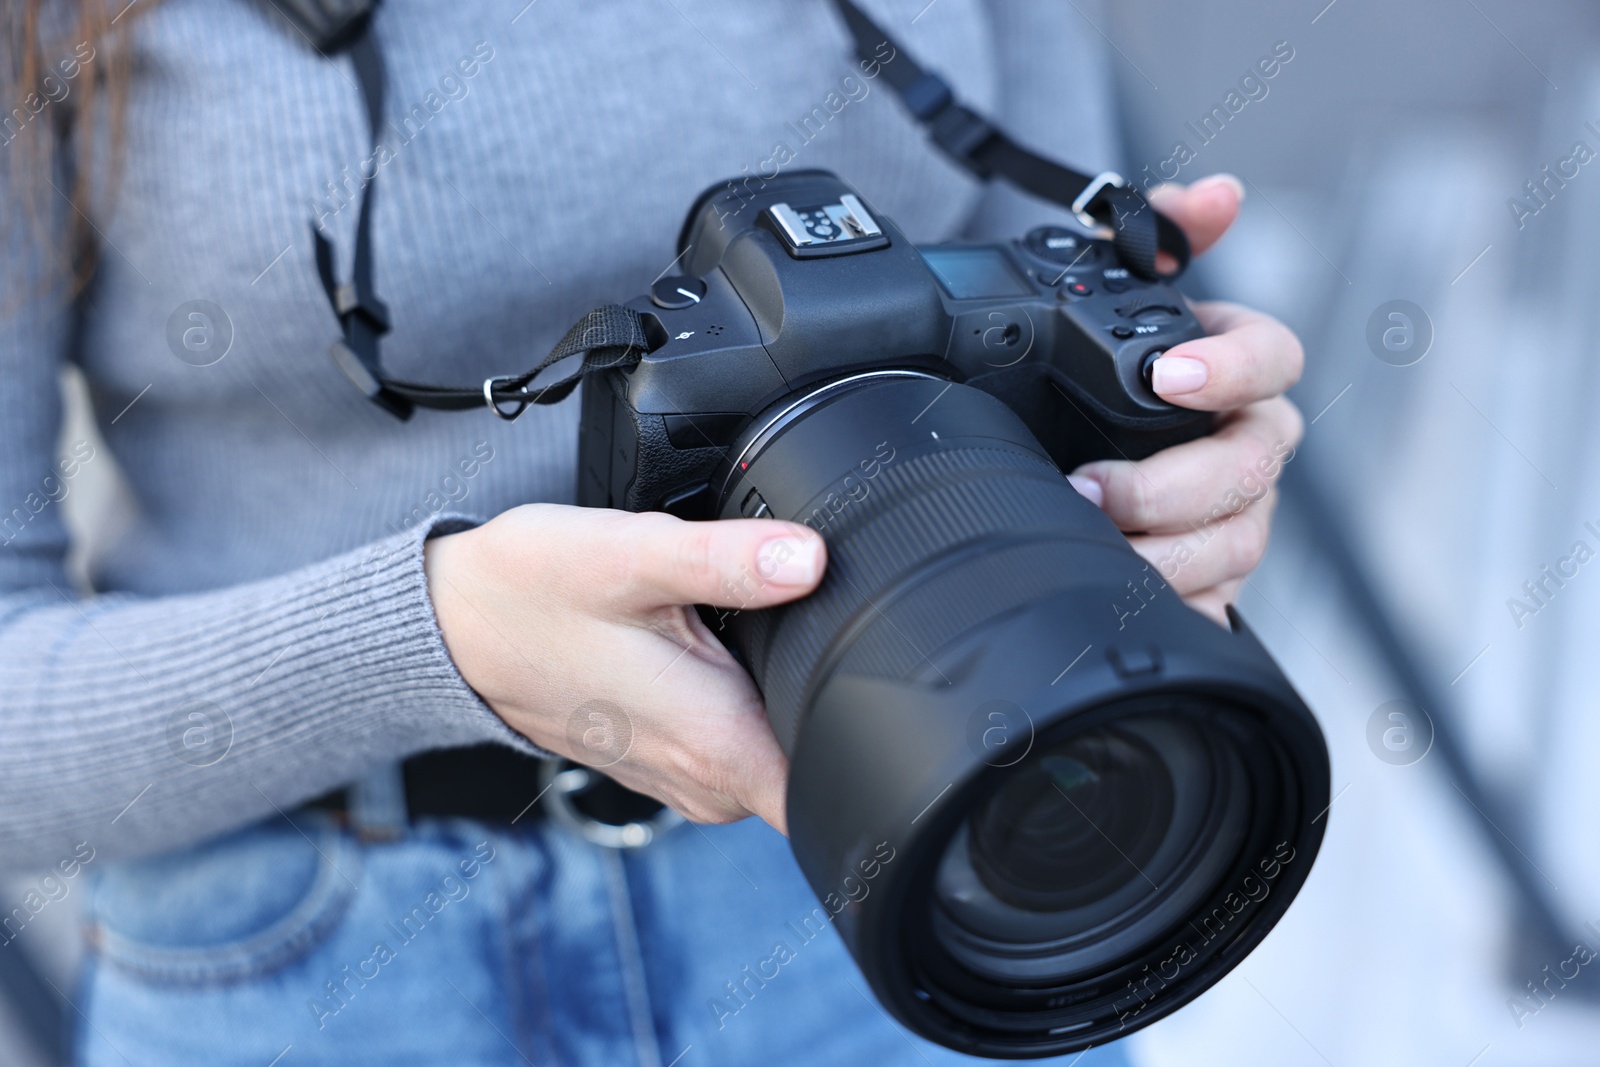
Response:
column 66, row 69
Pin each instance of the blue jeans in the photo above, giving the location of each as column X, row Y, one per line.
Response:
column 468, row 944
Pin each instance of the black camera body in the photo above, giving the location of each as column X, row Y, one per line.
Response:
column 1066, row 788
column 1051, row 324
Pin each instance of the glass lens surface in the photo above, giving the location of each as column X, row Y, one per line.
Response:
column 1075, row 824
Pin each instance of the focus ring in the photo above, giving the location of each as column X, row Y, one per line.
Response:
column 915, row 512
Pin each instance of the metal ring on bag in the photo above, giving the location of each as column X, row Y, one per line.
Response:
column 563, row 780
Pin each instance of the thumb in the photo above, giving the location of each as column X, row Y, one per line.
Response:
column 1204, row 210
column 731, row 563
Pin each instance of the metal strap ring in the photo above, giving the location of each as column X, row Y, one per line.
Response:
column 494, row 405
column 1102, row 181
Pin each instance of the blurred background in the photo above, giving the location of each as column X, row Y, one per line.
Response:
column 1447, row 464
column 1438, row 475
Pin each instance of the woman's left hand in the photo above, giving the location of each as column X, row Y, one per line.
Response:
column 1201, row 512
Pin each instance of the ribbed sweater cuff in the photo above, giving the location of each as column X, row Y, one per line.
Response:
column 378, row 620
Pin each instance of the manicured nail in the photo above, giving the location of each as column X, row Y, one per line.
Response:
column 1174, row 375
column 1224, row 179
column 790, row 560
column 1087, row 488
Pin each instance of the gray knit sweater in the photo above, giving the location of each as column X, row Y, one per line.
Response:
column 268, row 604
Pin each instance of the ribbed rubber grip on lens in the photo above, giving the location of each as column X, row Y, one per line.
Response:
column 1021, row 531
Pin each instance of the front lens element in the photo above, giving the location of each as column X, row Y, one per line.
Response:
column 1074, row 825
column 1093, row 847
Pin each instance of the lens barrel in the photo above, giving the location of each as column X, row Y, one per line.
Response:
column 1043, row 802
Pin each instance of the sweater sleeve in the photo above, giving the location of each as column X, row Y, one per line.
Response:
column 142, row 724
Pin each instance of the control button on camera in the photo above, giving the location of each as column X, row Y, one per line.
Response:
column 1116, row 285
column 1122, row 333
column 1137, row 310
column 755, row 506
column 1147, row 366
column 677, row 292
column 1060, row 245
column 1080, row 289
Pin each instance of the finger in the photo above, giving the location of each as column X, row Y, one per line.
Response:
column 702, row 802
column 725, row 776
column 695, row 804
column 760, row 780
column 1213, row 552
column 706, row 775
column 699, row 734
column 1204, row 480
column 1249, row 356
column 1213, row 603
column 757, row 768
column 1204, row 210
column 733, row 563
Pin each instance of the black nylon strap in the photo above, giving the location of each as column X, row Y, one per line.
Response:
column 1139, row 231
column 363, row 317
column 607, row 337
column 328, row 24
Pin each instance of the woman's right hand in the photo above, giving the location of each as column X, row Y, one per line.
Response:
column 577, row 626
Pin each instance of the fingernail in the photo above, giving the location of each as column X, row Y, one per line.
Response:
column 1087, row 488
column 1174, row 375
column 790, row 560
column 1224, row 179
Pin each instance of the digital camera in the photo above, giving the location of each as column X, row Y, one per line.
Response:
column 1042, row 801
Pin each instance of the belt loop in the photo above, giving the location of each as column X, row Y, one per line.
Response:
column 378, row 804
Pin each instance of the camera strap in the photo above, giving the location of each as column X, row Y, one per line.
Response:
column 1138, row 230
column 609, row 336
column 613, row 336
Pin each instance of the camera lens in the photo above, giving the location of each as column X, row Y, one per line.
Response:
column 1071, row 826
column 1091, row 844
column 1152, row 816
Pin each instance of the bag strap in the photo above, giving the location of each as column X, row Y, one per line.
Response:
column 1138, row 230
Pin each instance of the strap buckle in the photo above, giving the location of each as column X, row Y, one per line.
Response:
column 1107, row 179
column 494, row 405
column 565, row 786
